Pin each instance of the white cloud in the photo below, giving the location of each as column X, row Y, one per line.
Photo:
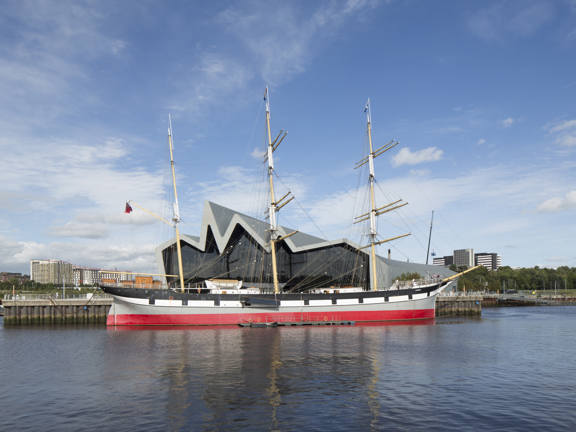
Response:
column 507, row 122
column 563, row 126
column 257, row 153
column 136, row 217
column 564, row 132
column 273, row 41
column 220, row 71
column 233, row 187
column 46, row 57
column 560, row 259
column 406, row 157
column 419, row 173
column 57, row 170
column 510, row 20
column 556, row 204
column 459, row 199
column 481, row 141
column 64, row 28
column 17, row 255
column 283, row 39
column 76, row 230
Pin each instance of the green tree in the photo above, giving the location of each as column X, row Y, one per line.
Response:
column 409, row 276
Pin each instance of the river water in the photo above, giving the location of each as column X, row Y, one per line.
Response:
column 511, row 369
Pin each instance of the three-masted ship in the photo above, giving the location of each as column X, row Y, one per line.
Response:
column 226, row 302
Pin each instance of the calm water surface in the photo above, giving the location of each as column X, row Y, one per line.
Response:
column 511, row 369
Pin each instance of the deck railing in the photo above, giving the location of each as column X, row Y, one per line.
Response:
column 404, row 284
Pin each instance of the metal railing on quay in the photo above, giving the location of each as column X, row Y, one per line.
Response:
column 56, row 297
column 516, row 295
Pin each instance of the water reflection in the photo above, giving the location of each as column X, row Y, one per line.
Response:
column 238, row 376
column 398, row 376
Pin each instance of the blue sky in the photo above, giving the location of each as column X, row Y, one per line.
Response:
column 480, row 95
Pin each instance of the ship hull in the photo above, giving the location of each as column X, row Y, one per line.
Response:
column 138, row 307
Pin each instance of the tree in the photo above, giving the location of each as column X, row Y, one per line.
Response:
column 409, row 276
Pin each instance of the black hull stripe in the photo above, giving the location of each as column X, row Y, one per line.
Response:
column 164, row 294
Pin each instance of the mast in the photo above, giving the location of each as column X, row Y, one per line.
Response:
column 373, row 232
column 375, row 211
column 429, row 237
column 274, row 205
column 176, row 217
column 272, row 210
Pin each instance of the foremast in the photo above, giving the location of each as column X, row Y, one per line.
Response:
column 275, row 206
column 175, row 217
column 374, row 212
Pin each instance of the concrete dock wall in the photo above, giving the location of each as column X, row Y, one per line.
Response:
column 452, row 305
column 507, row 300
column 56, row 311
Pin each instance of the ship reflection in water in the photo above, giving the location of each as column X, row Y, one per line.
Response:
column 270, row 378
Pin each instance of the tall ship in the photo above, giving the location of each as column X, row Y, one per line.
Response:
column 244, row 270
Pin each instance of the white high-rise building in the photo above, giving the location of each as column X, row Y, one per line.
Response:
column 491, row 261
column 467, row 257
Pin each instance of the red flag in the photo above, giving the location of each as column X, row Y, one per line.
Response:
column 128, row 208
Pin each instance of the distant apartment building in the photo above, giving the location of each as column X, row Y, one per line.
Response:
column 60, row 272
column 93, row 276
column 51, row 271
column 491, row 261
column 116, row 275
column 86, row 276
column 445, row 261
column 464, row 257
column 467, row 257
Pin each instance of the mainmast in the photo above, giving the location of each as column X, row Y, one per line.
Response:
column 176, row 217
column 373, row 232
column 375, row 211
column 274, row 205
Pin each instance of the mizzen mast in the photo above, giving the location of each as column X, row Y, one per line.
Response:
column 176, row 216
column 375, row 211
column 274, row 205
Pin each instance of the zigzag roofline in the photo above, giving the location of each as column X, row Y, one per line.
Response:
column 222, row 222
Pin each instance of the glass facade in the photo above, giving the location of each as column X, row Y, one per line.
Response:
column 245, row 259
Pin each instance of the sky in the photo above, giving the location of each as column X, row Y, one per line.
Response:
column 481, row 97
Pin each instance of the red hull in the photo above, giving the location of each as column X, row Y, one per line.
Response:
column 227, row 319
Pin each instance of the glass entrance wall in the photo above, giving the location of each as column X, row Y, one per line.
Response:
column 245, row 259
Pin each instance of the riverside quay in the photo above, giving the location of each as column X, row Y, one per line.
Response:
column 47, row 309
